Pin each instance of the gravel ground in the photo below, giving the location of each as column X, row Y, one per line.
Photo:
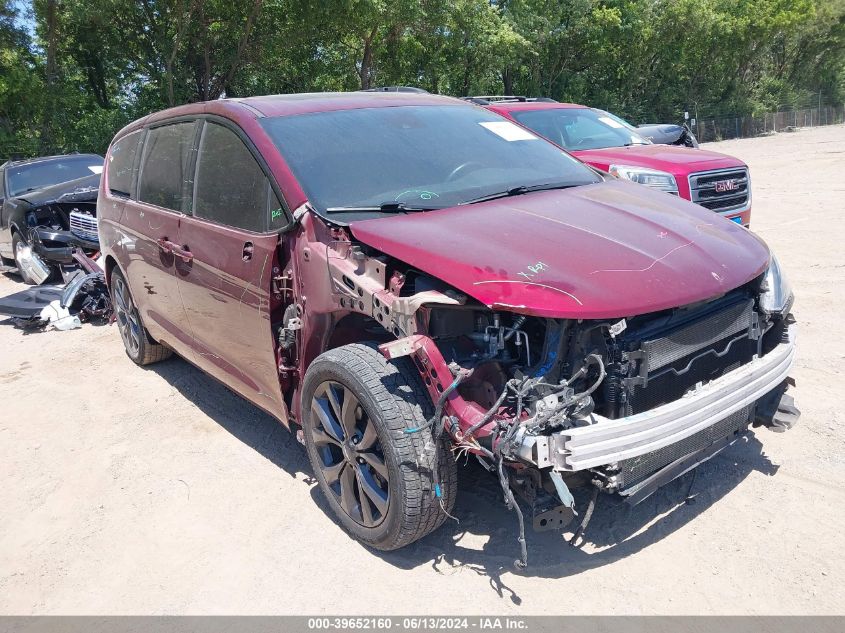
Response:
column 132, row 491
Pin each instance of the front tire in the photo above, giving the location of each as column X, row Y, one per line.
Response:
column 357, row 409
column 140, row 347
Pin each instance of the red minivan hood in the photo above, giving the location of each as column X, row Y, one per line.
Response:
column 670, row 158
column 610, row 250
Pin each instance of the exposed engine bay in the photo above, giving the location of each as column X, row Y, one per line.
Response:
column 549, row 405
column 56, row 227
column 51, row 223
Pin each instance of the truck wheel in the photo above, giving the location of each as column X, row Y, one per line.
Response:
column 357, row 410
column 140, row 347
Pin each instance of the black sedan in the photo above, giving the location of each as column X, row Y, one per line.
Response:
column 48, row 207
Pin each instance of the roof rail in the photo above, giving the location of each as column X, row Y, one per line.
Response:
column 395, row 89
column 488, row 99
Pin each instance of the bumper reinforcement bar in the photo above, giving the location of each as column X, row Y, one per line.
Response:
column 607, row 441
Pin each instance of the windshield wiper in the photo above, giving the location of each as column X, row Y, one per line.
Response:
column 518, row 191
column 386, row 207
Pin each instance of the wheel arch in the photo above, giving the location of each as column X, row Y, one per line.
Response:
column 328, row 331
column 109, row 265
column 354, row 327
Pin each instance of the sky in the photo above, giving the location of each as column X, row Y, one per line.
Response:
column 25, row 19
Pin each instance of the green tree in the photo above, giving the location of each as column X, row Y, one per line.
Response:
column 21, row 86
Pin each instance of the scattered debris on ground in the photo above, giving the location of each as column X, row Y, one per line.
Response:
column 83, row 298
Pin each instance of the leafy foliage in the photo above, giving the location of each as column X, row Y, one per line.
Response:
column 73, row 71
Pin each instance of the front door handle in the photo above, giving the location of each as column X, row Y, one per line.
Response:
column 182, row 252
column 249, row 248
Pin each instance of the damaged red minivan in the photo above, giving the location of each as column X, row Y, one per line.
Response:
column 407, row 278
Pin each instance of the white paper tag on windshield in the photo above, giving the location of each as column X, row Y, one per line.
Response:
column 508, row 131
column 608, row 121
column 96, row 169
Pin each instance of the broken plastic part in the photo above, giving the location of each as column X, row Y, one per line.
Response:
column 777, row 410
column 32, row 265
column 70, row 322
column 29, row 303
column 59, row 317
column 563, row 492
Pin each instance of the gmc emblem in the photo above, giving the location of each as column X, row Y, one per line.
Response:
column 726, row 185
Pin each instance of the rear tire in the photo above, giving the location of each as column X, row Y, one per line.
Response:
column 356, row 410
column 139, row 345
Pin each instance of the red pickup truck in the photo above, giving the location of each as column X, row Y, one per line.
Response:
column 713, row 180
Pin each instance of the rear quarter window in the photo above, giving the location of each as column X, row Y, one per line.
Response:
column 121, row 164
column 167, row 159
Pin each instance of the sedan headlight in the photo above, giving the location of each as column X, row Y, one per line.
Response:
column 775, row 293
column 653, row 178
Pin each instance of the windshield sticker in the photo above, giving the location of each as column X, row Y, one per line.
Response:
column 275, row 214
column 608, row 121
column 508, row 131
column 96, row 169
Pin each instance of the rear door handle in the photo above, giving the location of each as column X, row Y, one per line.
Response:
column 165, row 245
column 249, row 248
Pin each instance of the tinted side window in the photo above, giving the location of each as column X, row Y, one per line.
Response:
column 167, row 159
column 230, row 186
column 121, row 164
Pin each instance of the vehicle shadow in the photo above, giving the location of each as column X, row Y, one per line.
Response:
column 615, row 532
column 242, row 419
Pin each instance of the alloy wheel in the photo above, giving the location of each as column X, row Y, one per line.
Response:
column 127, row 317
column 350, row 455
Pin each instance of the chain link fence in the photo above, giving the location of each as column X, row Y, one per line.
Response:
column 723, row 128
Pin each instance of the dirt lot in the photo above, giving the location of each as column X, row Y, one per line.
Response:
column 125, row 490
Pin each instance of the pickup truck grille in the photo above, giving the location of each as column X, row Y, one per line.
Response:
column 84, row 226
column 722, row 190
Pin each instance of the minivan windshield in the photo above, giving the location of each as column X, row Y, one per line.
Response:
column 579, row 128
column 33, row 176
column 370, row 161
